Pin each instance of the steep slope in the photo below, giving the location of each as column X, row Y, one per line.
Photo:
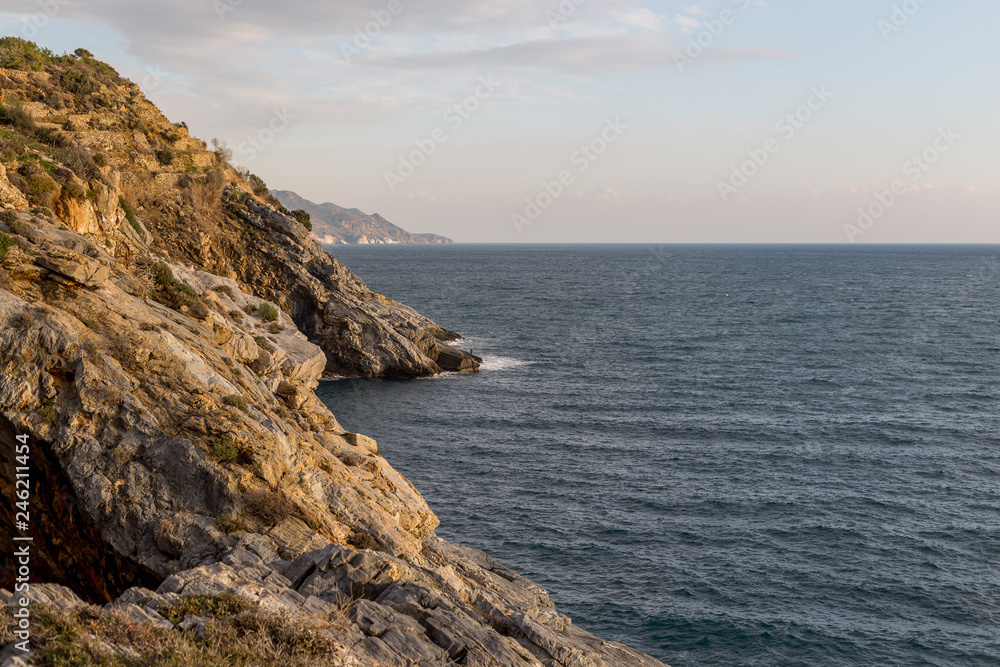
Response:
column 176, row 450
column 134, row 182
column 333, row 224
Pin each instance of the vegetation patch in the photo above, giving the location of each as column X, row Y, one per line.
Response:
column 14, row 114
column 163, row 275
column 17, row 53
column 267, row 312
column 131, row 216
column 264, row 344
column 175, row 294
column 270, row 507
column 6, row 243
column 361, row 540
column 230, row 524
column 165, row 156
column 237, row 401
column 303, row 217
column 225, row 450
column 238, row 632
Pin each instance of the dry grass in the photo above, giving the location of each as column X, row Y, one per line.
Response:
column 238, row 633
column 205, row 194
column 270, row 507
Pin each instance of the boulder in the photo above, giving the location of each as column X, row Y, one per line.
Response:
column 452, row 359
column 72, row 265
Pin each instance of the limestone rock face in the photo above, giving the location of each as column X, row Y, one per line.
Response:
column 73, row 265
column 8, row 193
column 161, row 356
column 457, row 607
column 362, row 333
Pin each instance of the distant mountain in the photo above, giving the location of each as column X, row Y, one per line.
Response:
column 335, row 224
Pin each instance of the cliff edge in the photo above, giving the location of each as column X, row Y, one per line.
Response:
column 163, row 327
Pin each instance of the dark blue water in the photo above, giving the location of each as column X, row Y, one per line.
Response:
column 719, row 455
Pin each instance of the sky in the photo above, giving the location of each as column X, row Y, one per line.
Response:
column 517, row 121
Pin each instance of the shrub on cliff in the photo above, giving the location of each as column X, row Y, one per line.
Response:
column 165, row 156
column 130, row 216
column 78, row 80
column 236, row 401
column 17, row 53
column 73, row 190
column 270, row 507
column 237, row 631
column 5, row 244
column 257, row 185
column 40, row 188
column 13, row 113
column 162, row 274
column 267, row 312
column 225, row 450
column 223, row 153
column 302, row 217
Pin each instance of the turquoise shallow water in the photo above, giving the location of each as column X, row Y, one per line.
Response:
column 719, row 455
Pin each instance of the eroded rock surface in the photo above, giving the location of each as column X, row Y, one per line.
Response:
column 163, row 359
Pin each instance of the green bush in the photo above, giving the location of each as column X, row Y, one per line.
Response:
column 267, row 312
column 225, row 450
column 17, row 53
column 130, row 216
column 78, row 80
column 198, row 310
column 73, row 190
column 204, row 605
column 236, row 401
column 162, row 274
column 5, row 244
column 303, row 217
column 52, row 137
column 224, row 289
column 14, row 113
column 258, row 185
column 41, row 189
column 165, row 156
column 363, row 541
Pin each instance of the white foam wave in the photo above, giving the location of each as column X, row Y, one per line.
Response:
column 502, row 363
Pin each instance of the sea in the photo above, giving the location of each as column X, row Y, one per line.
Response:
column 719, row 455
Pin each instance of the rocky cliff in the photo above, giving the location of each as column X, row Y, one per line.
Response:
column 335, row 225
column 163, row 327
column 87, row 146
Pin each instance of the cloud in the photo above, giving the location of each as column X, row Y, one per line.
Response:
column 697, row 11
column 687, row 24
column 642, row 18
column 580, row 56
column 588, row 55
